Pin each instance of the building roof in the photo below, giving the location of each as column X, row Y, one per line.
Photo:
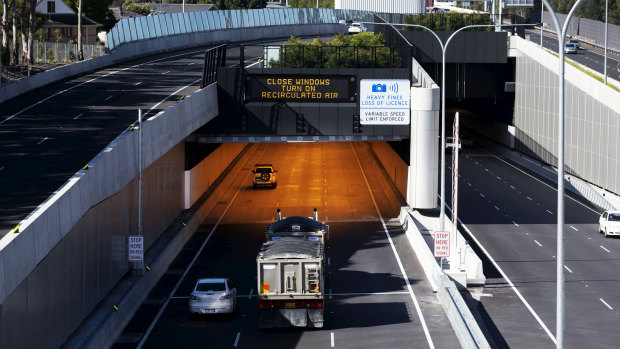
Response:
column 67, row 20
column 116, row 11
column 158, row 9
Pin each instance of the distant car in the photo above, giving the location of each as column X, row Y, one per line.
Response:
column 609, row 223
column 264, row 176
column 574, row 42
column 356, row 28
column 213, row 296
column 570, row 48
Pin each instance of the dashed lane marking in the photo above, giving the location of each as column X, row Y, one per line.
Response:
column 515, row 223
column 108, row 98
column 537, row 243
column 549, row 212
column 575, row 229
column 608, row 251
column 607, row 305
column 570, row 271
column 237, row 339
column 77, row 116
column 43, row 140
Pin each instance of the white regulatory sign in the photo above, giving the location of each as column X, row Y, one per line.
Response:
column 442, row 244
column 136, row 248
column 385, row 102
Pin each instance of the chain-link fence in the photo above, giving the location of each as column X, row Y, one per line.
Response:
column 50, row 52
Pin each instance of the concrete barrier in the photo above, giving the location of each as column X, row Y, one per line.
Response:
column 465, row 326
column 137, row 49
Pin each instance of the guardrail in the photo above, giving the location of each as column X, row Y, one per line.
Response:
column 157, row 26
column 214, row 58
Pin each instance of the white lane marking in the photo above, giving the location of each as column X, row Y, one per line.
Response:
column 191, row 63
column 43, row 140
column 255, row 63
column 607, row 305
column 575, row 229
column 1, row 168
column 469, row 184
column 512, row 187
column 332, row 338
column 191, row 264
column 329, row 261
column 138, row 83
column 527, row 305
column 537, row 243
column 97, row 78
column 549, row 212
column 529, row 198
column 520, row 170
column 486, row 170
column 400, row 264
column 108, row 98
column 368, row 293
column 570, row 271
column 166, row 72
column 515, row 223
column 172, row 94
column 237, row 339
column 77, row 116
column 497, row 208
column 608, row 251
column 498, row 177
column 330, row 293
column 481, row 194
column 250, row 295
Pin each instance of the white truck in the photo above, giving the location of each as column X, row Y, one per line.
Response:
column 291, row 268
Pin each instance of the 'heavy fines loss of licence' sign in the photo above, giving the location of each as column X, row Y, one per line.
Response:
column 385, row 102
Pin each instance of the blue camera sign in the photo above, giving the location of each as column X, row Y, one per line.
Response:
column 385, row 102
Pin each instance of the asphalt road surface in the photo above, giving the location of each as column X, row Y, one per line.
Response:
column 513, row 214
column 49, row 134
column 588, row 55
column 368, row 303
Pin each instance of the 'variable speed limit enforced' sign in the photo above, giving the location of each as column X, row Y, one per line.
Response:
column 442, row 244
column 136, row 248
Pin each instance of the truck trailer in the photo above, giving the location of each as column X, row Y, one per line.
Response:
column 290, row 283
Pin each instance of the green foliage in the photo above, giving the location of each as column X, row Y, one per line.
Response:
column 450, row 21
column 364, row 50
column 311, row 3
column 591, row 9
column 97, row 10
column 588, row 72
column 141, row 9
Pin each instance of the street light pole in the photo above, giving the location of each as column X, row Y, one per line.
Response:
column 606, row 24
column 542, row 22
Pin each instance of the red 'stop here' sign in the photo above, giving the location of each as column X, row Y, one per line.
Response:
column 442, row 244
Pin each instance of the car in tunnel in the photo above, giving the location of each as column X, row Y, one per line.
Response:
column 264, row 176
column 609, row 223
column 213, row 296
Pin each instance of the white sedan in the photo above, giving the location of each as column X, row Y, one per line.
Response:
column 213, row 296
column 609, row 223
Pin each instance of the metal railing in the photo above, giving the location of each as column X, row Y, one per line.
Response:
column 158, row 26
column 215, row 57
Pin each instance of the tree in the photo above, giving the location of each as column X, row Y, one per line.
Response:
column 79, row 39
column 5, row 33
column 31, row 26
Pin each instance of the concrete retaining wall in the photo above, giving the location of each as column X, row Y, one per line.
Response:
column 51, row 276
column 592, row 116
column 203, row 175
column 129, row 51
column 465, row 326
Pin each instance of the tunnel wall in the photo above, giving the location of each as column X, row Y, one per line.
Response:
column 72, row 249
column 202, row 176
column 89, row 260
column 592, row 116
column 396, row 168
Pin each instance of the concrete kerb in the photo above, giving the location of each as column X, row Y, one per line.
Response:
column 104, row 325
column 463, row 322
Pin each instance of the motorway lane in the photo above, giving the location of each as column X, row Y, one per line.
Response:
column 368, row 303
column 513, row 216
column 43, row 144
column 590, row 56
